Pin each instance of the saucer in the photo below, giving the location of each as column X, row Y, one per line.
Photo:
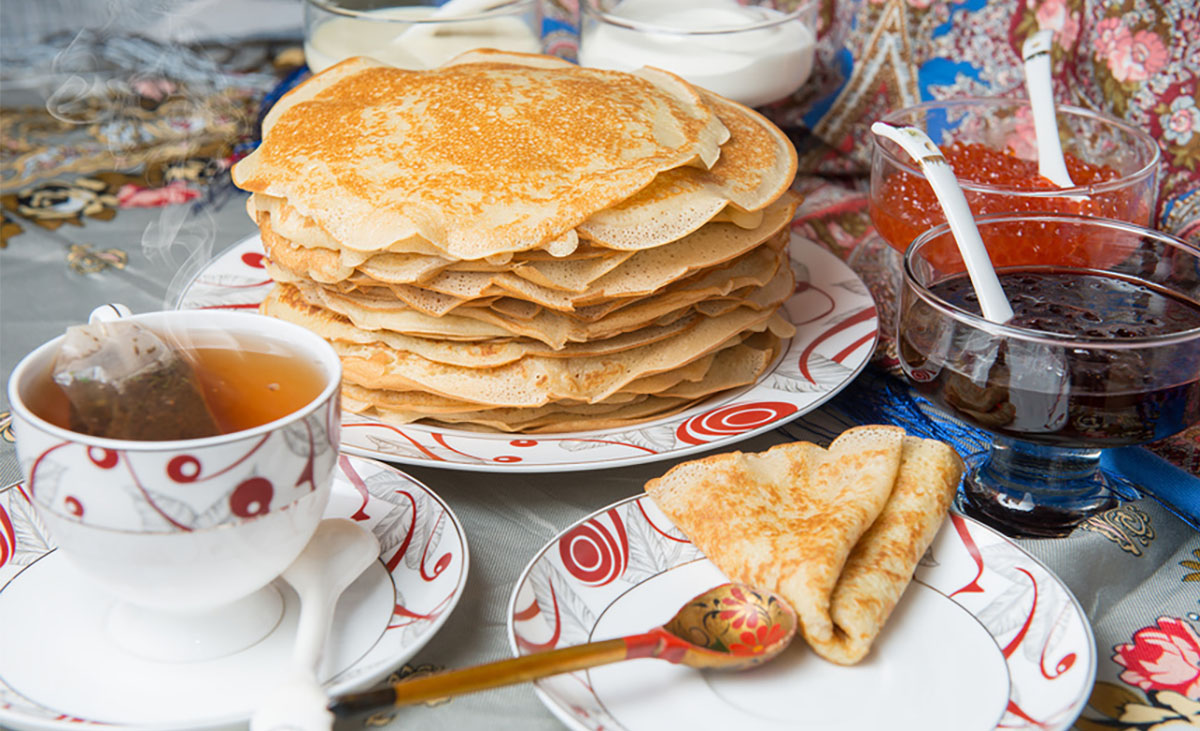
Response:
column 985, row 638
column 60, row 668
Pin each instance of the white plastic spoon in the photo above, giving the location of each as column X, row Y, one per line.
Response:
column 917, row 144
column 339, row 551
column 1036, row 53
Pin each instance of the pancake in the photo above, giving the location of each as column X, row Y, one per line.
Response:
column 477, row 158
column 286, row 303
column 756, row 167
column 721, row 371
column 837, row 532
column 761, row 271
column 513, row 242
column 644, row 274
column 536, row 380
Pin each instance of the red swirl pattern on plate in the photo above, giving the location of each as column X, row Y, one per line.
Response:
column 593, row 554
column 732, row 419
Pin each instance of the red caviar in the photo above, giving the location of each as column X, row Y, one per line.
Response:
column 904, row 205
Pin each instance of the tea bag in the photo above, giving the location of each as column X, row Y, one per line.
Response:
column 125, row 382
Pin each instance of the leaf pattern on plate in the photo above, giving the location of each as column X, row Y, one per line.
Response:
column 651, row 553
column 394, row 526
column 657, row 438
column 575, row 618
column 31, row 539
column 826, row 372
column 854, row 286
column 393, row 448
column 1030, row 606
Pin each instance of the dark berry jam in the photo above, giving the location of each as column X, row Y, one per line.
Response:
column 1069, row 395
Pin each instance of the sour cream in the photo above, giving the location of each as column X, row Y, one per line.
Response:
column 384, row 35
column 759, row 55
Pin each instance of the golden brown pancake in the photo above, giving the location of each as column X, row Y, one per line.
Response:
column 837, row 532
column 478, row 159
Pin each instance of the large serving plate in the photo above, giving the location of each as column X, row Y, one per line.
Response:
column 985, row 638
column 59, row 670
column 836, row 327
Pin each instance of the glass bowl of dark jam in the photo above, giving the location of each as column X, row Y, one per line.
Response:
column 1103, row 351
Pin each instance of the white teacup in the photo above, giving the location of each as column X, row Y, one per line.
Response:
column 190, row 530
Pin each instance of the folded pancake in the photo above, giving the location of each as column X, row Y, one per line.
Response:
column 837, row 532
column 882, row 562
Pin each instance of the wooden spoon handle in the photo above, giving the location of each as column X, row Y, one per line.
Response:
column 482, row 677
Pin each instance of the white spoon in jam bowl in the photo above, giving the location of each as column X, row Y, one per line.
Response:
column 339, row 551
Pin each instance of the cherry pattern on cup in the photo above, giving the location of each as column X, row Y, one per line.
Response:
column 161, row 490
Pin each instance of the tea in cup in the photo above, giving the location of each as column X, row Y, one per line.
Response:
column 188, row 534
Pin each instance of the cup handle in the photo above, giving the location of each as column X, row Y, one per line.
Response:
column 108, row 313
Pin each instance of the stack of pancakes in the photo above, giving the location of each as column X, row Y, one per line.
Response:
column 518, row 243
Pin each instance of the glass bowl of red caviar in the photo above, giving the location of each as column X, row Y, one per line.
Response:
column 1103, row 351
column 991, row 146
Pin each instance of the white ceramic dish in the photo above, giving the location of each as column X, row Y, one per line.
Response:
column 836, row 327
column 985, row 638
column 60, row 670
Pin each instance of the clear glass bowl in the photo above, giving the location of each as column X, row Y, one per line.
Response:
column 902, row 204
column 1056, row 390
column 410, row 35
column 748, row 52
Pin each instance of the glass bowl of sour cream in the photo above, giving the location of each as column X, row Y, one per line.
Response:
column 750, row 52
column 415, row 34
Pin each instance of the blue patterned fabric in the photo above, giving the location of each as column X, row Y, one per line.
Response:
column 877, row 398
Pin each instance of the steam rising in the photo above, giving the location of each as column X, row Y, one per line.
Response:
column 103, row 75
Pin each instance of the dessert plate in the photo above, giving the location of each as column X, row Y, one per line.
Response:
column 836, row 326
column 60, row 670
column 985, row 637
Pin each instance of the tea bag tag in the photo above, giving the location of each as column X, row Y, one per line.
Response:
column 108, row 313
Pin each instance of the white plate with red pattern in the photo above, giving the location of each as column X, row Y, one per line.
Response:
column 985, row 638
column 59, row 670
column 836, row 326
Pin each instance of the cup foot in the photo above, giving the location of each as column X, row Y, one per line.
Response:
column 1024, row 510
column 180, row 637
